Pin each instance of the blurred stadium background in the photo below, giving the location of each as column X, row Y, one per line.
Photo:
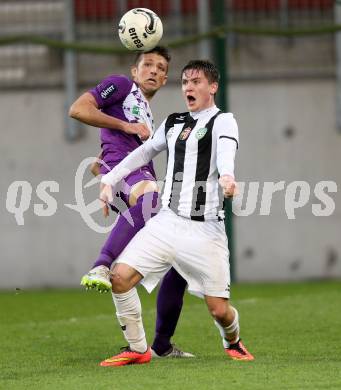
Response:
column 282, row 81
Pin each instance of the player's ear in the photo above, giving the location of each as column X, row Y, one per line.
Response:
column 165, row 80
column 133, row 71
column 213, row 88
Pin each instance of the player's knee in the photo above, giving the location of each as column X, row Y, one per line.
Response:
column 219, row 311
column 119, row 284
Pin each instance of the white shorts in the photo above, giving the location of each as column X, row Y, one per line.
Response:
column 197, row 250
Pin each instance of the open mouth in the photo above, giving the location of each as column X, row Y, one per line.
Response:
column 190, row 99
column 152, row 80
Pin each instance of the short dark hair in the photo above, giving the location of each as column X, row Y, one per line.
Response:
column 160, row 50
column 210, row 70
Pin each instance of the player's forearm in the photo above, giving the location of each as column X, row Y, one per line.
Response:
column 226, row 152
column 136, row 159
column 226, row 169
column 94, row 117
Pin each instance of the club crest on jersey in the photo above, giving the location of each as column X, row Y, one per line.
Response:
column 136, row 110
column 185, row 134
column 201, row 133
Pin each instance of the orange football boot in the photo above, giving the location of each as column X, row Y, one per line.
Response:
column 238, row 351
column 127, row 356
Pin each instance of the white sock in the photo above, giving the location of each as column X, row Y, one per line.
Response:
column 128, row 312
column 228, row 331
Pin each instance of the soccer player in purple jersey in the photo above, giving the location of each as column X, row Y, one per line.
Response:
column 120, row 107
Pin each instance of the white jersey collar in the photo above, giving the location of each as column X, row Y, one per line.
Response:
column 199, row 114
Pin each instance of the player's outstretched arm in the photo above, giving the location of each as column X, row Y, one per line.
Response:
column 226, row 133
column 139, row 157
column 105, row 197
column 136, row 159
column 86, row 110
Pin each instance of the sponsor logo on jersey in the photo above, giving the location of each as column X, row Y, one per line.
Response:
column 107, row 92
column 185, row 134
column 201, row 133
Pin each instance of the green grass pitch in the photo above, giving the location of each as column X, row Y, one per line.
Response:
column 55, row 339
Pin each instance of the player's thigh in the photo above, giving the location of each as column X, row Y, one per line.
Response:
column 151, row 249
column 205, row 257
column 140, row 188
column 137, row 183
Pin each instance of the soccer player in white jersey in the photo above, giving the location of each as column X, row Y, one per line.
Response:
column 188, row 233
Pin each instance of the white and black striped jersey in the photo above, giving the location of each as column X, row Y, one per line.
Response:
column 200, row 147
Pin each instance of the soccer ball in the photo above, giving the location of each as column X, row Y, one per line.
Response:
column 140, row 29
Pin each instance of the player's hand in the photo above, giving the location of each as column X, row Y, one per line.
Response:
column 95, row 167
column 105, row 197
column 228, row 185
column 140, row 129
